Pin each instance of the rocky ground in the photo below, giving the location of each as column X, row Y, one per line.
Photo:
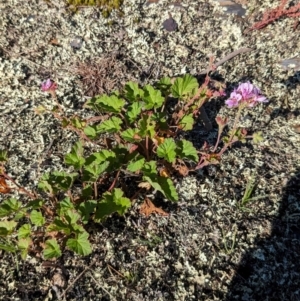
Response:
column 208, row 247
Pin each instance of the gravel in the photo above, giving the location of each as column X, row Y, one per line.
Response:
column 208, row 247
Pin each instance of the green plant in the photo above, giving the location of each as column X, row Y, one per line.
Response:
column 140, row 132
column 249, row 190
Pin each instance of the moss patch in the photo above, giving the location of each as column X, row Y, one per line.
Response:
column 106, row 5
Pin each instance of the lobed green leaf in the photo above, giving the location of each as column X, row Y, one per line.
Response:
column 146, row 126
column 90, row 131
column 162, row 184
column 133, row 111
column 23, row 245
column 111, row 125
column 52, row 249
column 112, row 202
column 167, row 150
column 56, row 181
column 86, row 209
column 187, row 122
column 136, row 164
column 9, row 206
column 133, row 92
column 75, row 157
column 7, row 227
column 131, row 135
column 24, row 231
column 105, row 103
column 80, row 244
column 152, row 97
column 186, row 150
column 183, row 86
column 37, row 218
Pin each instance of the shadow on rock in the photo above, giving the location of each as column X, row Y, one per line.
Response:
column 271, row 270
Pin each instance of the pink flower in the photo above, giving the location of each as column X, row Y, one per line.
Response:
column 234, row 99
column 246, row 90
column 48, row 85
column 247, row 95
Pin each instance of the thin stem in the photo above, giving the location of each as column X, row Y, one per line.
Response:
column 218, row 140
column 114, row 181
column 19, row 188
column 147, row 148
column 233, row 131
column 95, row 190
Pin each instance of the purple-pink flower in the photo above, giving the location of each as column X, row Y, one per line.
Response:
column 48, row 85
column 234, row 99
column 247, row 95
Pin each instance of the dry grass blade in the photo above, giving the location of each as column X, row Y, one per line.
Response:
column 101, row 75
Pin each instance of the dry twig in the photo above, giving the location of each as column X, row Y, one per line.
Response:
column 63, row 295
column 274, row 14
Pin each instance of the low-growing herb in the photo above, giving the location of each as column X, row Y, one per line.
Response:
column 140, row 134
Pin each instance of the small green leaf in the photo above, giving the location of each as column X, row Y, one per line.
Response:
column 133, row 111
column 111, row 125
column 20, row 214
column 131, row 135
column 96, row 164
column 112, row 202
column 92, row 172
column 35, row 204
column 185, row 85
column 152, row 97
column 167, row 150
column 7, row 247
column 9, row 206
column 147, row 126
column 37, row 218
column 23, row 245
column 105, row 103
column 133, row 92
column 150, row 169
column 136, row 165
column 186, row 150
column 164, row 185
column 3, row 155
column 56, row 181
column 257, row 137
column 166, row 81
column 52, row 249
column 161, row 121
column 65, row 205
column 24, row 231
column 187, row 122
column 86, row 209
column 7, row 227
column 59, row 225
column 80, row 244
column 71, row 217
column 87, row 191
column 78, row 123
column 164, row 86
column 90, row 131
column 75, row 157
